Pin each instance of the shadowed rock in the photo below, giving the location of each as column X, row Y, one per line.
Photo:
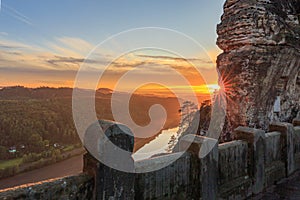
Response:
column 261, row 61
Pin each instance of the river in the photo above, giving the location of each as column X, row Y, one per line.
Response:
column 163, row 143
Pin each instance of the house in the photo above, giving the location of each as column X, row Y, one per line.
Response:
column 12, row 149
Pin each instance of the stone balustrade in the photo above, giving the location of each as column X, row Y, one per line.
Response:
column 238, row 169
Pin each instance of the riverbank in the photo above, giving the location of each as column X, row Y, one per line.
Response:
column 71, row 166
column 16, row 166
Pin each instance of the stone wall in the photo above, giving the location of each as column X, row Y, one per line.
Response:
column 260, row 62
column 274, row 161
column 175, row 180
column 234, row 178
column 239, row 169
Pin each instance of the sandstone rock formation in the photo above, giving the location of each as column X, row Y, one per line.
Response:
column 261, row 60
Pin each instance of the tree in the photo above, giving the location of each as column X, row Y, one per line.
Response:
column 36, row 143
column 3, row 153
column 187, row 111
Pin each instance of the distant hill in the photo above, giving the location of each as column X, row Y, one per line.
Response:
column 105, row 91
column 20, row 92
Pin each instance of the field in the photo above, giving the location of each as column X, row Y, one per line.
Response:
column 10, row 163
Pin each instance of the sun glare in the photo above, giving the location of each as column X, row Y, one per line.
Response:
column 213, row 87
column 200, row 89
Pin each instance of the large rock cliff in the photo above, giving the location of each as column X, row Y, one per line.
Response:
column 261, row 60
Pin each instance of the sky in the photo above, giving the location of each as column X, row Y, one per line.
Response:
column 44, row 43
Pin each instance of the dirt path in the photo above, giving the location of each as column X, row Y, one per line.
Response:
column 65, row 168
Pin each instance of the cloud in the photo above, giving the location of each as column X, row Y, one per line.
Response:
column 76, row 44
column 3, row 33
column 33, row 77
column 60, row 59
column 16, row 54
column 61, row 50
column 16, row 14
column 70, row 46
column 162, row 65
column 177, row 58
column 8, row 44
column 64, row 62
column 43, row 65
column 27, row 70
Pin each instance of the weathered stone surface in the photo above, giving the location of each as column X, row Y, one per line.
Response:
column 235, row 170
column 73, row 187
column 256, row 160
column 287, row 189
column 234, row 181
column 274, row 164
column 296, row 122
column 179, row 180
column 287, row 144
column 207, row 151
column 107, row 145
column 110, row 183
column 192, row 176
column 261, row 60
column 297, row 147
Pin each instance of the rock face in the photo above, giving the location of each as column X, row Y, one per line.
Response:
column 261, row 61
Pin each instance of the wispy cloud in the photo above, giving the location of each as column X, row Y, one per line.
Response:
column 76, row 44
column 3, row 33
column 58, row 49
column 70, row 46
column 59, row 61
column 16, row 14
column 177, row 58
column 56, row 60
column 8, row 44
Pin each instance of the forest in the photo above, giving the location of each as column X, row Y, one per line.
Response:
column 37, row 122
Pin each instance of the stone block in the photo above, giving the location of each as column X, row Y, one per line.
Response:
column 287, row 144
column 177, row 179
column 234, row 181
column 296, row 122
column 206, row 149
column 274, row 165
column 255, row 140
column 113, row 147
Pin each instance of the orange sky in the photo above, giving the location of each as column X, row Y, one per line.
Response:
column 32, row 66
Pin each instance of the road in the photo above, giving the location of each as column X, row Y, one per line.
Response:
column 67, row 167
